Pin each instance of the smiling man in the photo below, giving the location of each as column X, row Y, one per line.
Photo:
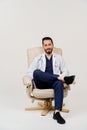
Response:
column 49, row 70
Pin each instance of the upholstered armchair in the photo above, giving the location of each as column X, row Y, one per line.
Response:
column 46, row 96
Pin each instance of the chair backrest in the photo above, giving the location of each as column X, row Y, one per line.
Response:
column 33, row 52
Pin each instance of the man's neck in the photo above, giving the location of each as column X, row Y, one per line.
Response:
column 48, row 55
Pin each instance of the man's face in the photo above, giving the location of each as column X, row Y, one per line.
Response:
column 48, row 46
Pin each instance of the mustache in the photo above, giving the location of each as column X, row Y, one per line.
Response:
column 49, row 49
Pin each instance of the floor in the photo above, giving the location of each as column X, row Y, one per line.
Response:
column 14, row 117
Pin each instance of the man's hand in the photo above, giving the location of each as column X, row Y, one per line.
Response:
column 61, row 78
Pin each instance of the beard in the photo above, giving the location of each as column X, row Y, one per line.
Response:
column 48, row 51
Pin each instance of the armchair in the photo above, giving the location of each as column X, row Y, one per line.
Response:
column 45, row 95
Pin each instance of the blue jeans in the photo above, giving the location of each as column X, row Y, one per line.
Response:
column 45, row 80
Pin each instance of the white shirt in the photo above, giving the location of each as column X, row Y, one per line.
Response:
column 59, row 66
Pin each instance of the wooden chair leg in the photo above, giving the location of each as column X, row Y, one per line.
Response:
column 46, row 106
column 33, row 108
column 44, row 112
column 65, row 110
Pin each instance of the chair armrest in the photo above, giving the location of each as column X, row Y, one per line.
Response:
column 26, row 80
column 28, row 83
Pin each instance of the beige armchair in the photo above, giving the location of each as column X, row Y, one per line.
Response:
column 45, row 95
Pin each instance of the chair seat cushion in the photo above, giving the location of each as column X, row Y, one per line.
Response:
column 45, row 93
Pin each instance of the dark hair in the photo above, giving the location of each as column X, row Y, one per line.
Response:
column 46, row 38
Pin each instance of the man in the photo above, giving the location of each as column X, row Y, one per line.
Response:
column 49, row 70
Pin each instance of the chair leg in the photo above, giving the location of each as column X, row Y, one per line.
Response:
column 46, row 106
column 44, row 112
column 65, row 110
column 33, row 108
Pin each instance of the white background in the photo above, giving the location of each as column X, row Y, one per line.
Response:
column 23, row 23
